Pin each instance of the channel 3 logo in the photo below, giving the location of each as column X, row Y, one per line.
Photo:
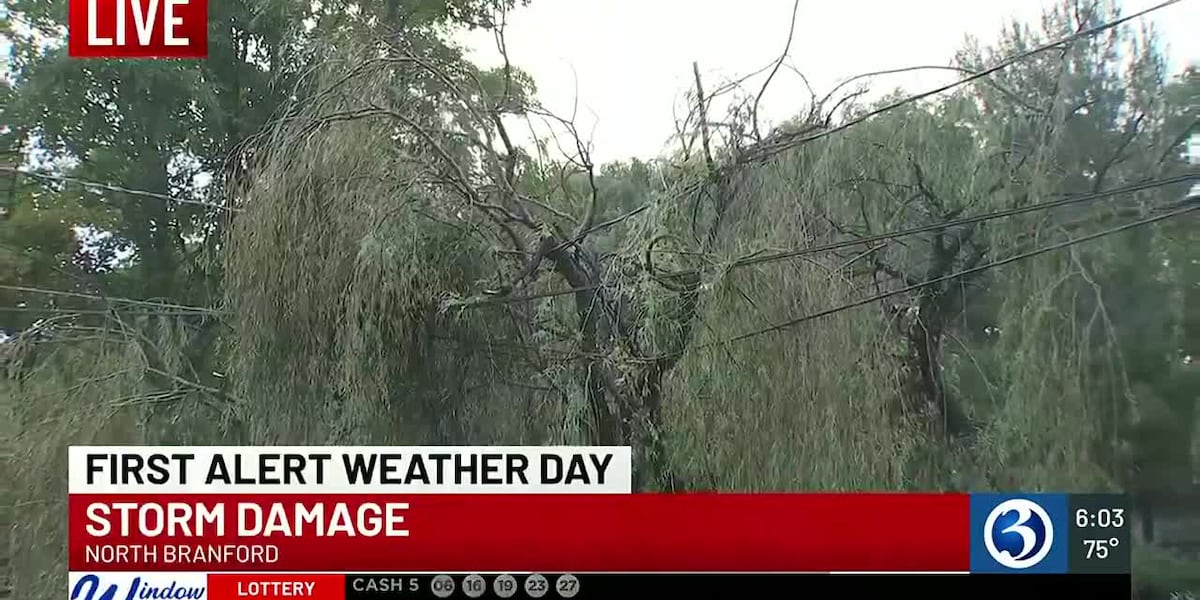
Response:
column 1017, row 533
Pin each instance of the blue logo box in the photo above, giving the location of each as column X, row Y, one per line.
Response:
column 1019, row 533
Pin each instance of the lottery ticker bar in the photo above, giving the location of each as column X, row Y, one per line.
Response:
column 731, row 585
column 404, row 586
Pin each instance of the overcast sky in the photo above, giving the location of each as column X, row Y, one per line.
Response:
column 630, row 61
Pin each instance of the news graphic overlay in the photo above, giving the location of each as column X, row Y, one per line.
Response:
column 137, row 29
column 1019, row 533
column 562, row 509
column 583, row 586
column 278, row 586
column 1100, row 534
column 337, row 523
column 324, row 508
column 605, row 586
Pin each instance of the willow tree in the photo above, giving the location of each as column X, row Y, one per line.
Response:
column 133, row 350
column 1089, row 339
column 401, row 270
column 1036, row 373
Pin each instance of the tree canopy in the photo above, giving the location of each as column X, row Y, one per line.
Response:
column 328, row 233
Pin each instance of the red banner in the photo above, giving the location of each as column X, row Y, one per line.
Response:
column 231, row 586
column 577, row 533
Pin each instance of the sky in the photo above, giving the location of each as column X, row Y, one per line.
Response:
column 623, row 66
column 628, row 63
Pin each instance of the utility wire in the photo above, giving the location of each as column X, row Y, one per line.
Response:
column 1070, row 200
column 800, row 252
column 1004, row 64
column 58, row 312
column 49, row 292
column 865, row 301
column 935, row 281
column 885, row 295
column 744, row 262
column 774, row 149
column 115, row 188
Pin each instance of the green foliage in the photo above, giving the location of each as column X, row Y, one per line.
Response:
column 93, row 360
column 804, row 408
column 357, row 294
column 360, row 288
column 1159, row 574
column 86, row 386
column 341, row 229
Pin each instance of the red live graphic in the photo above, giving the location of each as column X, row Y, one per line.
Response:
column 138, row 29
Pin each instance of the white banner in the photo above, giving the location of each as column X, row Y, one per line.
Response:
column 350, row 469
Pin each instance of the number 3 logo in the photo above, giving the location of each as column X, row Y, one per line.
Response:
column 1031, row 524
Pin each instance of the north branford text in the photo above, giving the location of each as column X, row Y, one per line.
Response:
column 180, row 554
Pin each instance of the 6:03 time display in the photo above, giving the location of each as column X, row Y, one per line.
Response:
column 1103, row 517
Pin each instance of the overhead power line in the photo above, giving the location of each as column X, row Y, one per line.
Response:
column 491, row 346
column 744, row 262
column 1004, row 64
column 937, row 280
column 1068, row 201
column 92, row 311
column 773, row 149
column 810, row 250
column 115, row 188
column 66, row 294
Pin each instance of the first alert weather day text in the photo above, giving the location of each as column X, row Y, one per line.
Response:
column 225, row 505
column 350, row 470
